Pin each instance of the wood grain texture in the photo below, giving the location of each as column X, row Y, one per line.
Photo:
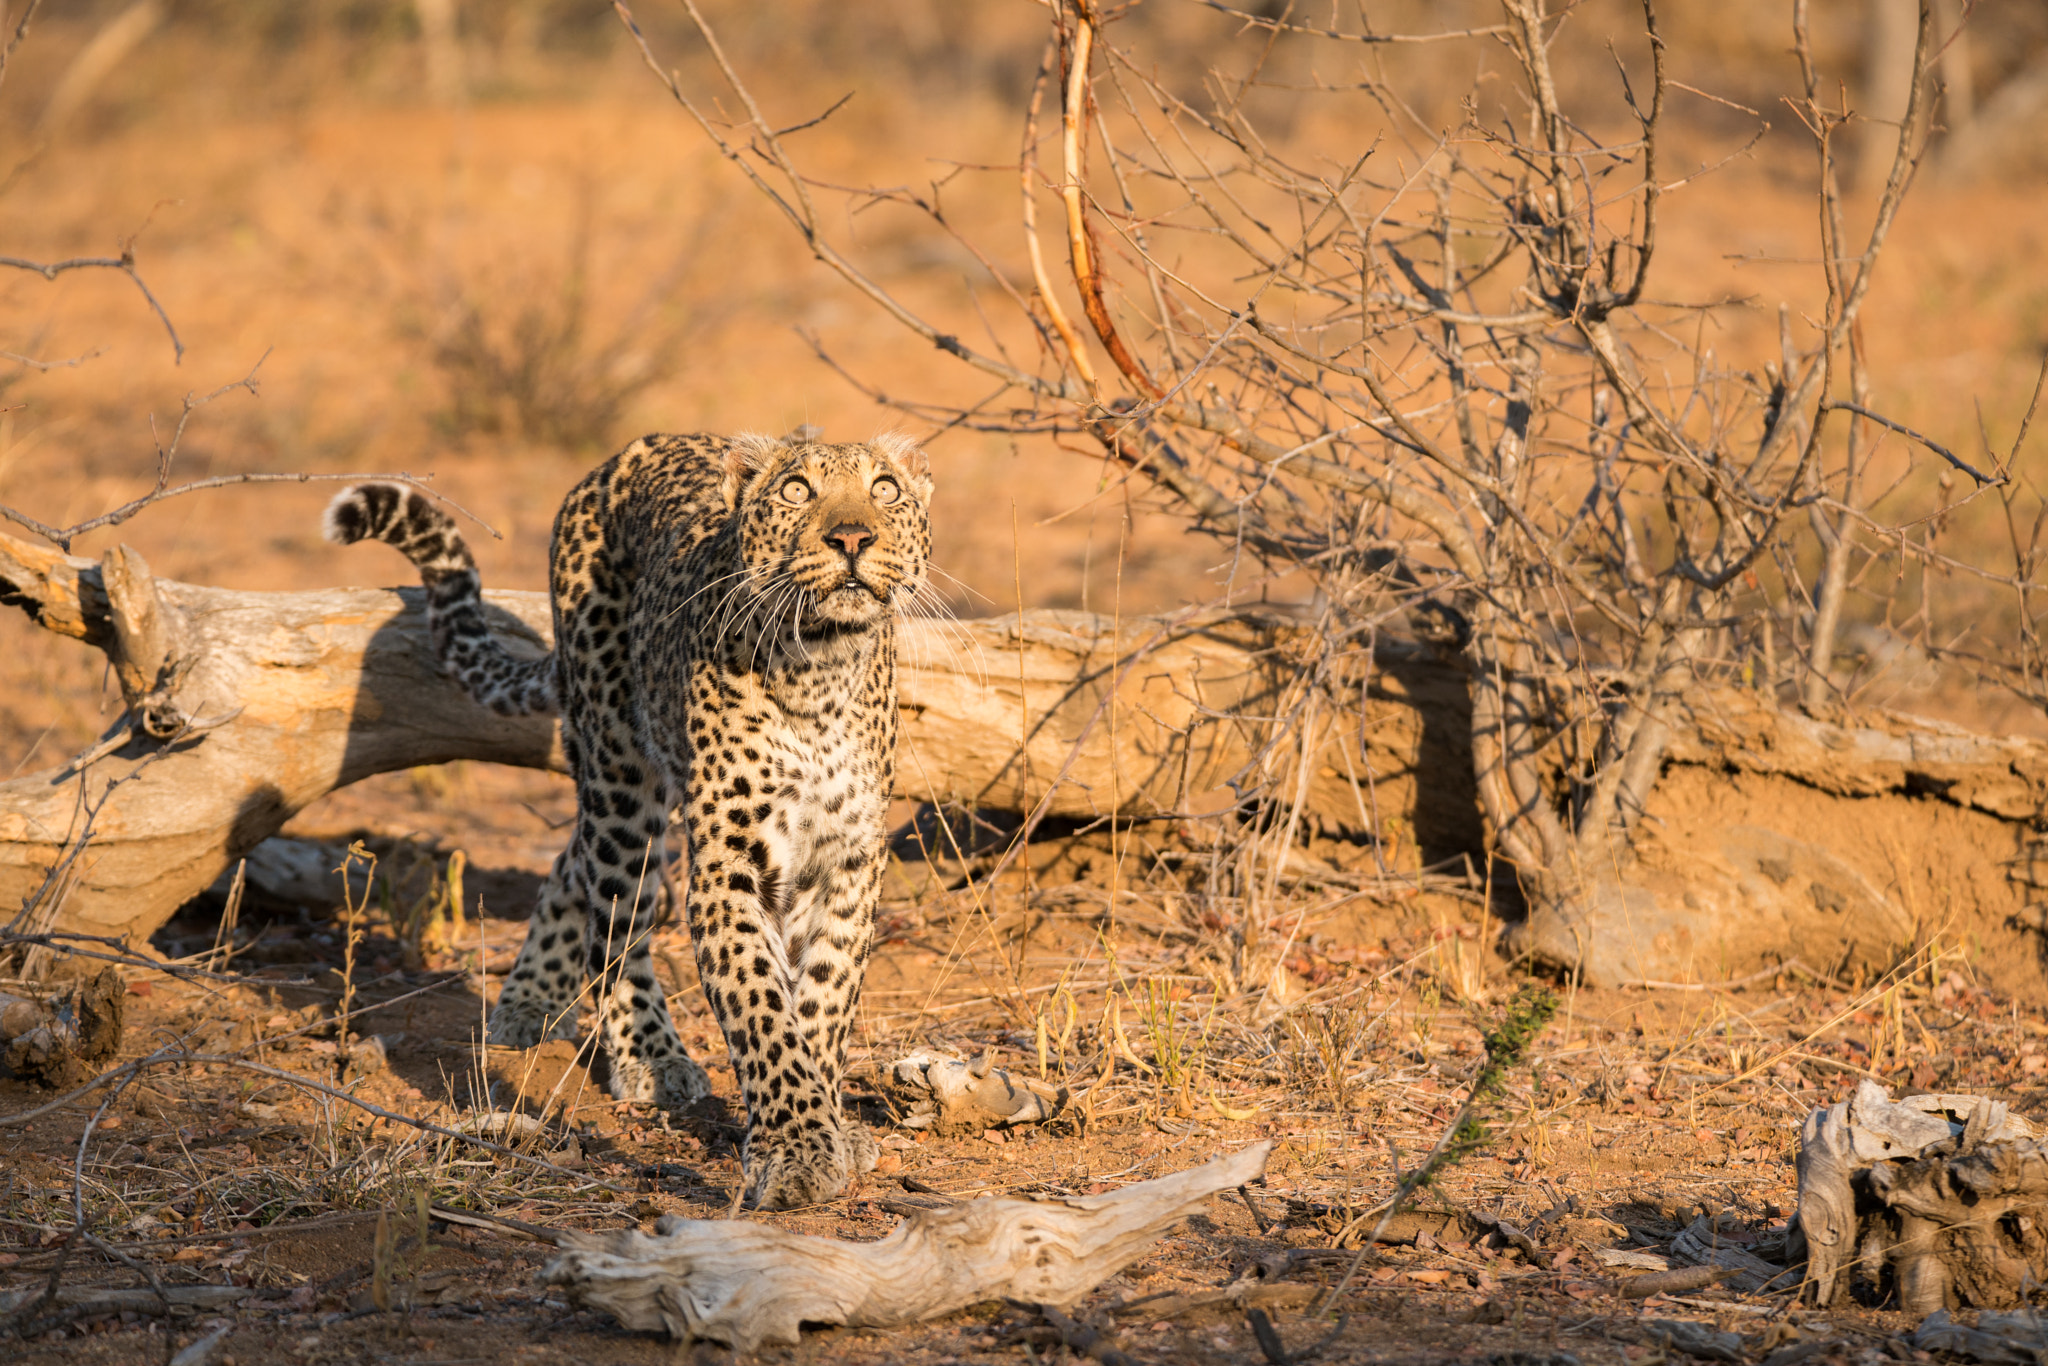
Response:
column 747, row 1284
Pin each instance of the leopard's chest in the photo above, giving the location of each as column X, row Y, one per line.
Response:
column 794, row 784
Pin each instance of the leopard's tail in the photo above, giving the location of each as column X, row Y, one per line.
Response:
column 469, row 653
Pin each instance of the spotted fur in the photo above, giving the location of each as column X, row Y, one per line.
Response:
column 725, row 649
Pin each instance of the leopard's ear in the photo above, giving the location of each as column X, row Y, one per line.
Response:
column 902, row 451
column 748, row 453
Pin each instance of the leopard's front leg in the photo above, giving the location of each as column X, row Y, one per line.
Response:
column 783, row 995
column 647, row 1059
column 837, row 941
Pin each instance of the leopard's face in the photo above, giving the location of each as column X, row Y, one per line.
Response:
column 831, row 534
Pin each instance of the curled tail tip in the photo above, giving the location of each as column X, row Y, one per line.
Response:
column 350, row 518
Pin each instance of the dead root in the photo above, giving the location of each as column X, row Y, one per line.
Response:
column 1941, row 1200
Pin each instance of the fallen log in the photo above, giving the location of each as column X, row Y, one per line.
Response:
column 245, row 707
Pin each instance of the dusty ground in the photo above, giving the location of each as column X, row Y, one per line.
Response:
column 1642, row 1110
column 349, row 229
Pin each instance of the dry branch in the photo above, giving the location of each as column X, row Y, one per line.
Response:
column 748, row 1284
column 88, row 1300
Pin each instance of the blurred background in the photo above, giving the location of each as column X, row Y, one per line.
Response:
column 481, row 240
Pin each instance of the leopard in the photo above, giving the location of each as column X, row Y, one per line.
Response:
column 724, row 664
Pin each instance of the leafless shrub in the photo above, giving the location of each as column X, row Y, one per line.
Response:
column 1430, row 377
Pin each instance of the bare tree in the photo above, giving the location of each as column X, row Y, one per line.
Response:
column 1433, row 379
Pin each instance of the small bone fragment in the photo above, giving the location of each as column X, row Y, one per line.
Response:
column 745, row 1284
column 948, row 1095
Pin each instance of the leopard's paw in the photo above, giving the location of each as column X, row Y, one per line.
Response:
column 806, row 1168
column 673, row 1083
column 680, row 1082
column 528, row 1023
column 788, row 1177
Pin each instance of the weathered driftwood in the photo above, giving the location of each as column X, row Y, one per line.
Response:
column 1940, row 1200
column 747, row 1284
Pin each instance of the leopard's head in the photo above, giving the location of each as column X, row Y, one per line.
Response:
column 831, row 533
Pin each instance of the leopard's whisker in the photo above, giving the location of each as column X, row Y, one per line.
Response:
column 768, row 625
column 796, row 623
column 723, row 614
column 957, row 582
column 923, row 603
column 739, row 573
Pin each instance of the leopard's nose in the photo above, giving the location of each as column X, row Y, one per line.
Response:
column 851, row 538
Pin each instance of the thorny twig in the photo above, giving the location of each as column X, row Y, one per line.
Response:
column 124, row 263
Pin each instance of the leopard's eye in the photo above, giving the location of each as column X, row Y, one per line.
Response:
column 796, row 492
column 886, row 492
